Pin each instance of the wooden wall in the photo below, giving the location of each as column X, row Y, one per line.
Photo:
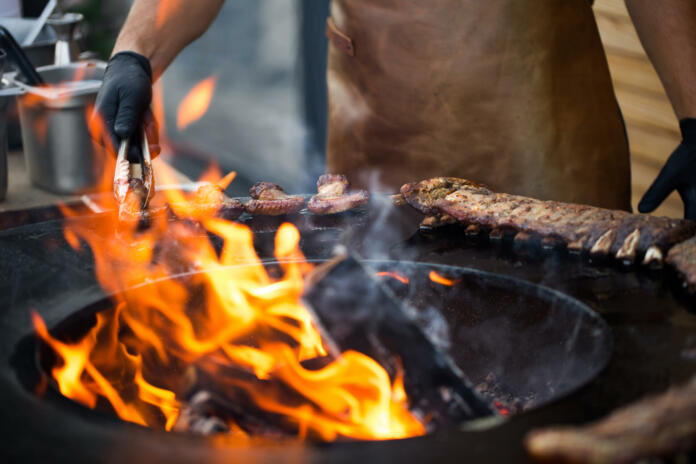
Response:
column 653, row 129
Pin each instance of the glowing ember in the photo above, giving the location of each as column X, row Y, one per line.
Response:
column 501, row 409
column 394, row 275
column 228, row 316
column 196, row 103
column 438, row 279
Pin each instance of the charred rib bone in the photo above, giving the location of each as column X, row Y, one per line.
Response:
column 627, row 251
column 603, row 245
column 653, row 255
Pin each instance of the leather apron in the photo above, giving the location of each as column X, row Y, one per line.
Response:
column 512, row 94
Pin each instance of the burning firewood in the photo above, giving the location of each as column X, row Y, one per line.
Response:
column 598, row 231
column 683, row 258
column 333, row 196
column 361, row 314
column 354, row 313
column 663, row 425
column 199, row 416
column 270, row 199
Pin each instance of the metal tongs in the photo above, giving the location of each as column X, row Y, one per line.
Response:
column 126, row 172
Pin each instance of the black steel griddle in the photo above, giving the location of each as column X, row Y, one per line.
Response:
column 654, row 337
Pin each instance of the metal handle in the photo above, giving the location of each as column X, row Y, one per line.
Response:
column 19, row 58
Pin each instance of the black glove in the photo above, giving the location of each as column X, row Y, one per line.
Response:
column 122, row 108
column 678, row 174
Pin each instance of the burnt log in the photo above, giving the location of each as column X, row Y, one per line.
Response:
column 359, row 313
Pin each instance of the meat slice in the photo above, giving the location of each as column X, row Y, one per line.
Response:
column 269, row 199
column 663, row 425
column 133, row 202
column 580, row 227
column 210, row 200
column 333, row 196
column 683, row 259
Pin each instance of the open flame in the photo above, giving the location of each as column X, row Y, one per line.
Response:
column 223, row 317
column 195, row 104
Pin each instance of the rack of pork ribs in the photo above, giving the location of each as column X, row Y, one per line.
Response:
column 580, row 228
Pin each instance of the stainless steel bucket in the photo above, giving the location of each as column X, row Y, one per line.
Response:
column 60, row 154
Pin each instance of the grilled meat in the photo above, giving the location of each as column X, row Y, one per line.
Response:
column 133, row 206
column 333, row 196
column 210, row 200
column 423, row 196
column 580, row 227
column 269, row 199
column 683, row 258
column 663, row 425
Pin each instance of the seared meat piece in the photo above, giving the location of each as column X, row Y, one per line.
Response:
column 269, row 199
column 333, row 196
column 683, row 258
column 211, row 201
column 580, row 227
column 133, row 206
column 663, row 425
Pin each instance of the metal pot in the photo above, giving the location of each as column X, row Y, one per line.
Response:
column 60, row 154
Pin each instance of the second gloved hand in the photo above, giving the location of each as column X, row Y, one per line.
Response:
column 679, row 173
column 123, row 104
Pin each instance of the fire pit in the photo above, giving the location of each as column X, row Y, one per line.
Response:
column 520, row 344
column 651, row 328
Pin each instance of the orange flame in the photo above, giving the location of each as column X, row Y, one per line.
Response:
column 404, row 280
column 196, row 103
column 438, row 279
column 222, row 317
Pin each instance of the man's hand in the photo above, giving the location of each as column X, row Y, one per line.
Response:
column 678, row 174
column 123, row 104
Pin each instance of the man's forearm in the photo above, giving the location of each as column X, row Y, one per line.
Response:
column 667, row 30
column 160, row 29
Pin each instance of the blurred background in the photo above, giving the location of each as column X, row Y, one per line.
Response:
column 268, row 57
